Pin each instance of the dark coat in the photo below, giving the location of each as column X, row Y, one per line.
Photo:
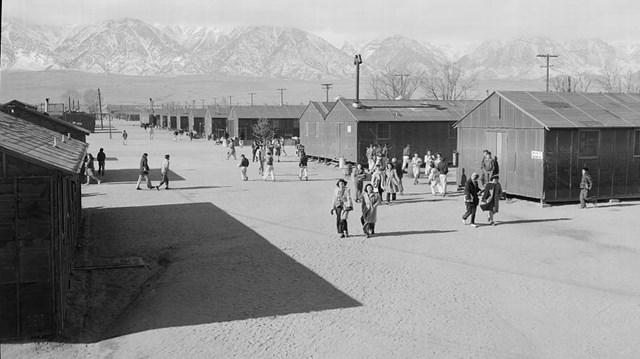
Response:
column 471, row 190
column 144, row 166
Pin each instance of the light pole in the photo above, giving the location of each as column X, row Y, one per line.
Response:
column 357, row 60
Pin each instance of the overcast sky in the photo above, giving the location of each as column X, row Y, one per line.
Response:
column 444, row 21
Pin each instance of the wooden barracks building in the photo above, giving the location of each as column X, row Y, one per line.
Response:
column 340, row 130
column 542, row 140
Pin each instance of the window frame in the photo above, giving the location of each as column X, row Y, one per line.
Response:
column 636, row 142
column 597, row 150
column 379, row 126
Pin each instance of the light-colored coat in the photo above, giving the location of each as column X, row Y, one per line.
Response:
column 391, row 182
column 370, row 202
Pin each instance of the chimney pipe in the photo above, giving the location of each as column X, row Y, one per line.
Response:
column 357, row 60
column 46, row 105
column 55, row 141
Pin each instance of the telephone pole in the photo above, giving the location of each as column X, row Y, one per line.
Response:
column 327, row 87
column 547, row 56
column 251, row 94
column 100, row 109
column 229, row 101
column 282, row 90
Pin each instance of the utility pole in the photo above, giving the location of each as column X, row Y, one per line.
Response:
column 327, row 87
column 547, row 56
column 282, row 90
column 251, row 94
column 229, row 101
column 401, row 89
column 100, row 109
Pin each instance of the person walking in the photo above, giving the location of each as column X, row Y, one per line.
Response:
column 260, row 159
column 284, row 151
column 90, row 170
column 416, row 163
column 471, row 199
column 164, row 173
column 443, row 170
column 433, row 176
column 278, row 148
column 406, row 157
column 400, row 172
column 303, row 167
column 491, row 198
column 341, row 206
column 244, row 164
column 390, row 183
column 125, row 135
column 377, row 180
column 370, row 202
column 241, row 140
column 370, row 158
column 101, row 158
column 232, row 150
column 144, row 172
column 254, row 149
column 428, row 158
column 586, row 183
column 269, row 168
column 359, row 176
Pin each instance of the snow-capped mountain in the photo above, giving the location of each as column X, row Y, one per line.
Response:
column 517, row 59
column 401, row 53
column 126, row 46
column 130, row 46
column 266, row 51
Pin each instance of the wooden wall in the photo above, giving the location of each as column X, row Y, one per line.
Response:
column 509, row 134
column 615, row 170
column 310, row 123
column 40, row 216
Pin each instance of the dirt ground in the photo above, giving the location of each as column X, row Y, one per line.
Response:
column 255, row 270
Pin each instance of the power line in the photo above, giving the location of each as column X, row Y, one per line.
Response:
column 547, row 56
column 327, row 87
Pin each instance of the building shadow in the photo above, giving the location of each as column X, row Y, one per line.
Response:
column 130, row 175
column 522, row 221
column 192, row 187
column 91, row 194
column 205, row 267
column 408, row 233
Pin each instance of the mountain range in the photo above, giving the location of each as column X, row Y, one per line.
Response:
column 134, row 47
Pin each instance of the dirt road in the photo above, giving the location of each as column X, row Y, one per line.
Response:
column 255, row 270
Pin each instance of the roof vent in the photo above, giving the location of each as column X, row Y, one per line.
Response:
column 55, row 141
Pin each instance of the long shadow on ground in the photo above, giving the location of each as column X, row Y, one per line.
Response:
column 130, row 175
column 520, row 221
column 213, row 268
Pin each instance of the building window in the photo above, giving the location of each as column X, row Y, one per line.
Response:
column 636, row 143
column 382, row 132
column 589, row 144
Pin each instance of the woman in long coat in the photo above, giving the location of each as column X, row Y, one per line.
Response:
column 341, row 205
column 391, row 183
column 370, row 202
column 491, row 198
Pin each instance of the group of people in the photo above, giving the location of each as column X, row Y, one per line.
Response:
column 144, row 172
column 483, row 190
column 89, row 169
column 265, row 154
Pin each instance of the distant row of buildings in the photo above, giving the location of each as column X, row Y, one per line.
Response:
column 41, row 157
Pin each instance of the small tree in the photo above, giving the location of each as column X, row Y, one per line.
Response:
column 263, row 131
column 448, row 82
column 580, row 82
column 394, row 85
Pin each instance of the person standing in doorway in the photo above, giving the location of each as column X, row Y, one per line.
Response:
column 125, row 135
column 303, row 167
column 586, row 183
column 244, row 164
column 443, row 170
column 471, row 200
column 101, row 158
column 269, row 168
column 144, row 172
column 341, row 206
column 164, row 173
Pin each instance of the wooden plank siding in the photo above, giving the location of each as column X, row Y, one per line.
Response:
column 509, row 134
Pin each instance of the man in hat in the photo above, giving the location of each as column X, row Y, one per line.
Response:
column 471, row 199
column 144, row 172
column 585, row 186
